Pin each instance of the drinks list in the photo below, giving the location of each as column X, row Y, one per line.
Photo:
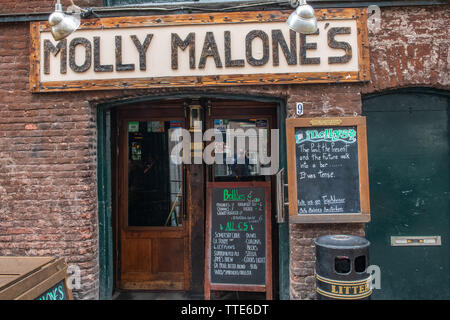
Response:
column 327, row 170
column 238, row 236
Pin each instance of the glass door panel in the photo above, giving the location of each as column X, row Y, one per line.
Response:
column 242, row 142
column 155, row 194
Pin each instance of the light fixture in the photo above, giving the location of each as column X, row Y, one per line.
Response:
column 63, row 24
column 302, row 20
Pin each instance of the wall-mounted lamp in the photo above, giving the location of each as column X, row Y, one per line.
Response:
column 302, row 20
column 63, row 24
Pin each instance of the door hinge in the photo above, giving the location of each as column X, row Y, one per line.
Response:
column 118, row 264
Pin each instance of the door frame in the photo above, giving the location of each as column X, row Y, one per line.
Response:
column 105, row 193
column 174, row 111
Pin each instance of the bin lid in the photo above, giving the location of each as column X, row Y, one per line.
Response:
column 341, row 241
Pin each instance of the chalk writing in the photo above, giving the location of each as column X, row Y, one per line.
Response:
column 327, row 170
column 57, row 292
column 238, row 243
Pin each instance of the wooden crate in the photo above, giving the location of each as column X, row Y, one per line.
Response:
column 34, row 278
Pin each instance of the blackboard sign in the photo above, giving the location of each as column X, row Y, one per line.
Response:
column 328, row 168
column 238, row 243
column 57, row 292
column 238, row 235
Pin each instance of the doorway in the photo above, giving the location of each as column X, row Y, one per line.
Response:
column 153, row 228
column 159, row 206
column 408, row 148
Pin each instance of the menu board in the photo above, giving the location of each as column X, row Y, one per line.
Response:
column 327, row 170
column 57, row 292
column 238, row 240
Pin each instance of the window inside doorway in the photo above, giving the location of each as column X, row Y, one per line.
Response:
column 155, row 184
column 243, row 142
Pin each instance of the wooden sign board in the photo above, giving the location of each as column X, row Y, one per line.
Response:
column 327, row 170
column 34, row 278
column 238, row 238
column 211, row 49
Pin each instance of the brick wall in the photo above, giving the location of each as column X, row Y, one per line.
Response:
column 48, row 188
column 411, row 49
column 47, row 167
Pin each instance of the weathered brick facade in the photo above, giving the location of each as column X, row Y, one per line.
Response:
column 411, row 49
column 48, row 141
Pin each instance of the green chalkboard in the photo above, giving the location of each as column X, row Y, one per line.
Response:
column 327, row 170
column 238, row 236
column 57, row 292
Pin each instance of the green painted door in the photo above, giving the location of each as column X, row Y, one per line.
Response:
column 409, row 171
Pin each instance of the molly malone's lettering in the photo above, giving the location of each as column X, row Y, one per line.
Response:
column 94, row 49
column 271, row 43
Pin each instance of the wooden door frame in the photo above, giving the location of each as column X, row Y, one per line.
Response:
column 253, row 110
column 263, row 110
column 105, row 180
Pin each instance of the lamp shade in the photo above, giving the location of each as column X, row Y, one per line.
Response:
column 302, row 20
column 62, row 25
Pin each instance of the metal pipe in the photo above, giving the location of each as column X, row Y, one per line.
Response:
column 216, row 7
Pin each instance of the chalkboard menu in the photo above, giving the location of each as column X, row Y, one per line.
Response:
column 327, row 170
column 57, row 292
column 238, row 244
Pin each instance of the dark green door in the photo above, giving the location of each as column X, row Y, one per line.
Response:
column 409, row 171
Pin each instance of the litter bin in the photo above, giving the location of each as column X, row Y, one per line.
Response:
column 341, row 265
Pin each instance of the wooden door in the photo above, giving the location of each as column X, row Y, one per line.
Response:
column 153, row 223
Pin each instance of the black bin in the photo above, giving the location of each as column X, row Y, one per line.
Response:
column 341, row 265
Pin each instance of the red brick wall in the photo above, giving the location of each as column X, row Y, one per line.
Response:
column 48, row 188
column 411, row 49
column 47, row 167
